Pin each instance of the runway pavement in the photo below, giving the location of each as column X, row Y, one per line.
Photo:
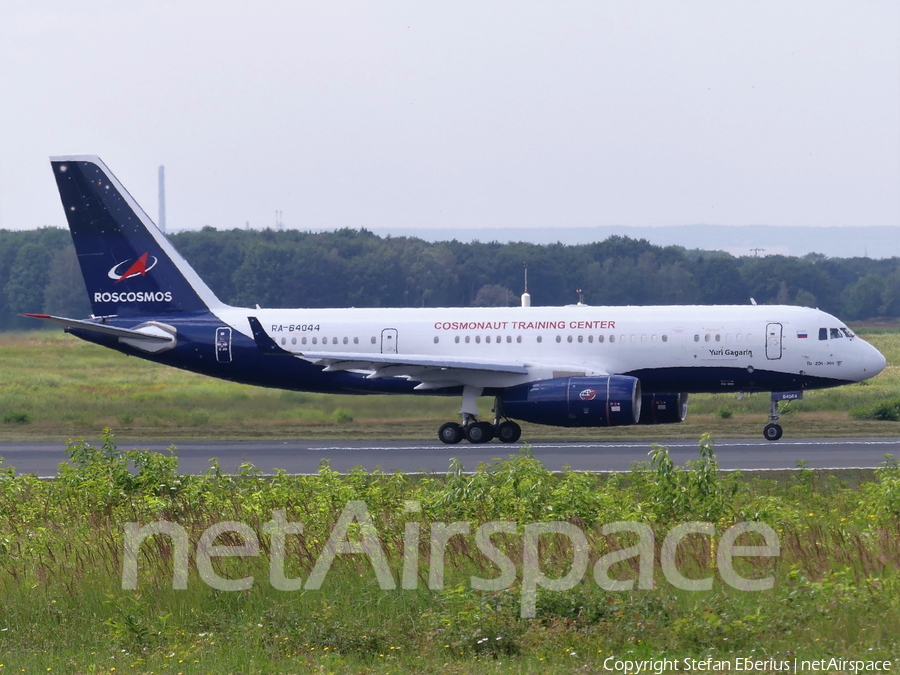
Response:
column 304, row 456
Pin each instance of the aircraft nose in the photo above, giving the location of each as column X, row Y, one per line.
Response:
column 873, row 362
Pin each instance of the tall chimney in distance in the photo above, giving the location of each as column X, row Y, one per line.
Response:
column 162, row 199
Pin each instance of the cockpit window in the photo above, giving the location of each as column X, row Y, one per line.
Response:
column 823, row 333
column 846, row 331
column 835, row 334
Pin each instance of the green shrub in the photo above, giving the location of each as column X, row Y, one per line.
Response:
column 17, row 417
column 725, row 412
column 696, row 491
column 342, row 416
column 886, row 411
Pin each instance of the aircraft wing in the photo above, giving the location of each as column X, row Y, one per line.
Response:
column 362, row 361
column 434, row 372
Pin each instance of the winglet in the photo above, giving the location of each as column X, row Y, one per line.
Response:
column 265, row 343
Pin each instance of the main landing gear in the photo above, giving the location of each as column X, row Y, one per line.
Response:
column 773, row 431
column 479, row 432
column 506, row 431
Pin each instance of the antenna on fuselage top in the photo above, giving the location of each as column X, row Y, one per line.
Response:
column 526, row 299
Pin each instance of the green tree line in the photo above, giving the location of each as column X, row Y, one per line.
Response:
column 356, row 268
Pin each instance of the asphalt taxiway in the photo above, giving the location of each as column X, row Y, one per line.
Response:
column 43, row 458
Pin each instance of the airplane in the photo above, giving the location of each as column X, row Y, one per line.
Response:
column 572, row 366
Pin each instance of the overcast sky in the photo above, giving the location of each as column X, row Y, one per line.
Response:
column 459, row 114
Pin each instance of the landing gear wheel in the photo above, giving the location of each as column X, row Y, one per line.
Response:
column 509, row 432
column 480, row 432
column 772, row 432
column 450, row 433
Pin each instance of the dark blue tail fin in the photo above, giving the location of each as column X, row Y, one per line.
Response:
column 129, row 266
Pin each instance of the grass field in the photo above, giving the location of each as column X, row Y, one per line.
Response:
column 55, row 386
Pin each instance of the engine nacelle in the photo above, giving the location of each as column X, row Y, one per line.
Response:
column 663, row 408
column 576, row 401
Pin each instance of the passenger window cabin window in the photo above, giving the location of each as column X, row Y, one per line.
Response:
column 477, row 339
column 346, row 341
column 559, row 338
column 303, row 341
column 665, row 338
column 718, row 337
column 581, row 338
column 569, row 339
column 356, row 340
column 436, row 339
column 456, row 339
column 601, row 338
column 509, row 339
column 315, row 340
column 293, row 341
column 499, row 339
column 835, row 334
column 612, row 338
column 540, row 339
column 591, row 338
column 519, row 339
column 283, row 341
column 706, row 338
column 823, row 333
column 374, row 340
column 468, row 339
column 487, row 339
column 696, row 338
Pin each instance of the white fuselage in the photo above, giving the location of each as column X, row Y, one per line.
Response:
column 583, row 340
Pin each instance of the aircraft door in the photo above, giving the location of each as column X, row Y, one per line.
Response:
column 679, row 344
column 773, row 340
column 223, row 345
column 389, row 341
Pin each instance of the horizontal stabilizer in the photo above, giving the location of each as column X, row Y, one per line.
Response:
column 151, row 336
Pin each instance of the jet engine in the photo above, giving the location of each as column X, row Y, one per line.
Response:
column 663, row 408
column 576, row 401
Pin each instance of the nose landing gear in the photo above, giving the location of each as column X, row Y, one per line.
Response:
column 773, row 431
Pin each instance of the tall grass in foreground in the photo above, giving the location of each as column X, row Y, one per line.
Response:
column 61, row 556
